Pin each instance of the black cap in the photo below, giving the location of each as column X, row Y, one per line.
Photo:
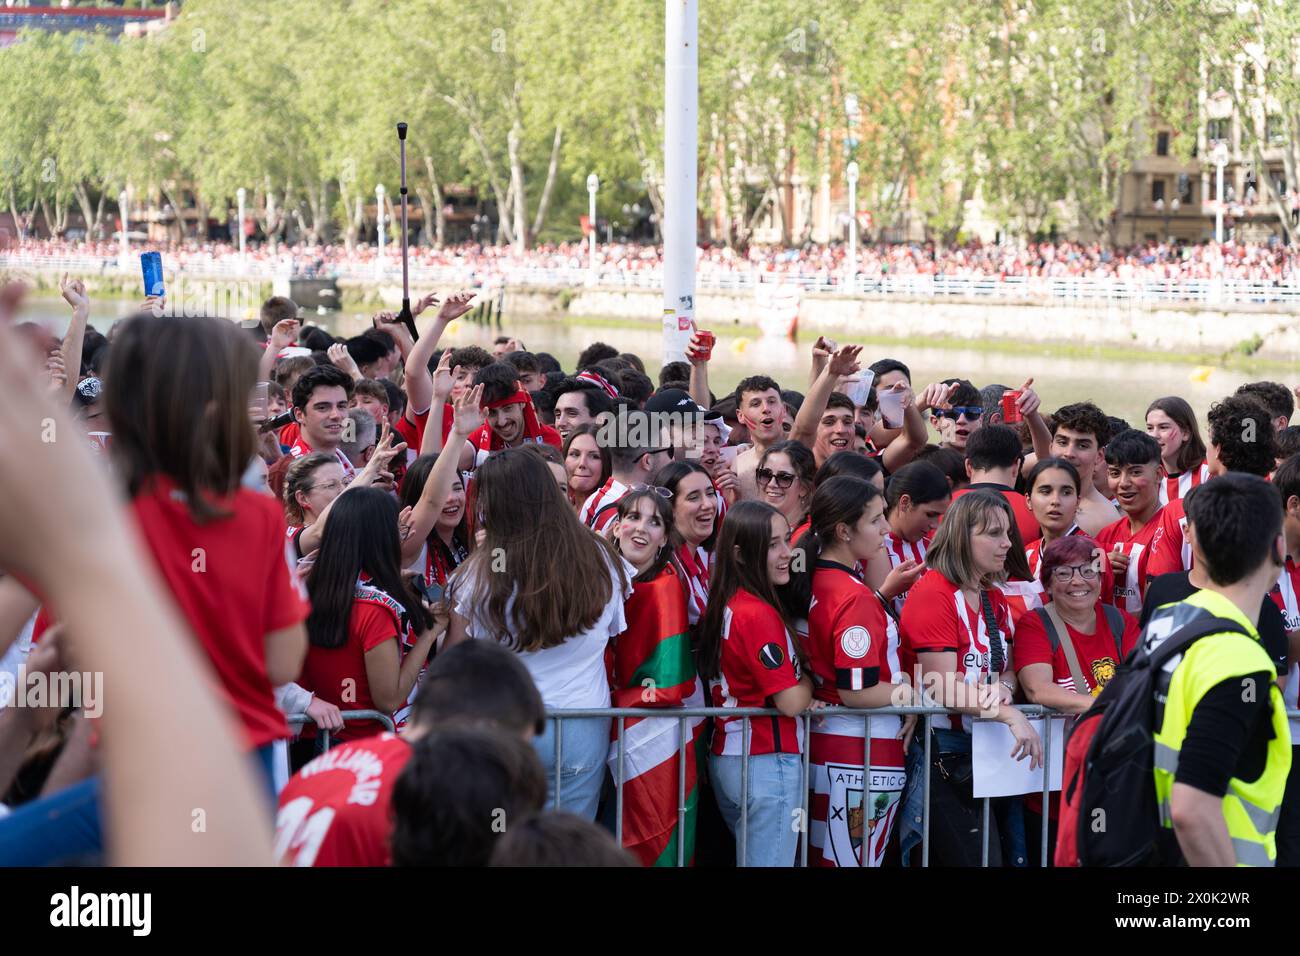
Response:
column 672, row 400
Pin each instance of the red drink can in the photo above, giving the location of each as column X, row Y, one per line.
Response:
column 705, row 350
column 1010, row 410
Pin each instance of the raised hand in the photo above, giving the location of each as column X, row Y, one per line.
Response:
column 457, row 304
column 74, row 293
column 1028, row 400
column 430, row 299
column 936, row 395
column 443, row 378
column 469, row 412
column 341, row 358
column 283, row 335
column 405, row 524
column 845, row 361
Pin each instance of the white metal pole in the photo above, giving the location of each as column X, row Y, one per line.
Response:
column 240, row 194
column 852, row 172
column 379, row 214
column 681, row 106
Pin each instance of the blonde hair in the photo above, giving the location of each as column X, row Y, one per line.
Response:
column 951, row 553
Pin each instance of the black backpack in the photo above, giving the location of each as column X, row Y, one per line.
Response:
column 1108, row 814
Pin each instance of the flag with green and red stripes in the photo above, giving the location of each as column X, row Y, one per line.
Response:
column 652, row 666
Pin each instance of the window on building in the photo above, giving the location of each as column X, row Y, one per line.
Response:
column 1162, row 144
column 1275, row 130
column 1157, row 190
column 1185, row 190
column 1219, row 130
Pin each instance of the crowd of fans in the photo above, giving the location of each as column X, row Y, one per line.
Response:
column 424, row 555
column 1148, row 262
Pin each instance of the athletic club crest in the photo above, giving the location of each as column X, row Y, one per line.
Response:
column 850, row 823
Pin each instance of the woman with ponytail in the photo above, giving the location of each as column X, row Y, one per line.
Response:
column 853, row 655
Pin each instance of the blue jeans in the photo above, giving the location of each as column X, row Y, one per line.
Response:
column 584, row 745
column 775, row 793
column 65, row 827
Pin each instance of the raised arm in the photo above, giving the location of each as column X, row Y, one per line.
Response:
column 418, row 382
column 913, row 436
column 843, row 362
column 74, row 293
column 376, row 469
column 469, row 417
column 699, row 386
column 282, row 336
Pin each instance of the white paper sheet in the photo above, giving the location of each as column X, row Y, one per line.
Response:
column 997, row 774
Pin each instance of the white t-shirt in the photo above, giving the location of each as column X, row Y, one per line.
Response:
column 570, row 675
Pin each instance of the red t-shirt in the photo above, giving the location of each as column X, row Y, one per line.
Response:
column 1169, row 550
column 411, row 427
column 233, row 580
column 1139, row 548
column 937, row 618
column 338, row 674
column 335, row 811
column 1096, row 651
column 852, row 642
column 289, row 435
column 1025, row 521
column 1034, row 554
column 758, row 662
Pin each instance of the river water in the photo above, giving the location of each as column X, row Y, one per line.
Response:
column 1121, row 387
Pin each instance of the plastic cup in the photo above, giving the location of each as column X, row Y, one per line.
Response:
column 891, row 408
column 707, row 340
column 1010, row 410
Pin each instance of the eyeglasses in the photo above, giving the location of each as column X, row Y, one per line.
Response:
column 971, row 412
column 1065, row 572
column 783, row 479
column 657, row 489
column 328, row 486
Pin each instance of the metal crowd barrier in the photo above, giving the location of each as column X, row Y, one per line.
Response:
column 683, row 715
column 298, row 720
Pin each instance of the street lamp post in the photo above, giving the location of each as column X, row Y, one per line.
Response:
column 379, row 216
column 240, row 195
column 1220, row 157
column 126, row 227
column 1160, row 210
column 1174, row 204
column 593, row 184
column 852, row 173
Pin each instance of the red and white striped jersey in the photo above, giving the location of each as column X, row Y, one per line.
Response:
column 939, row 619
column 1128, row 593
column 758, row 661
column 852, row 642
column 1286, row 595
column 899, row 551
column 1175, row 487
column 695, row 562
column 600, row 508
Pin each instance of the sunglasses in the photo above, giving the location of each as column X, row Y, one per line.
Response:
column 783, row 479
column 1065, row 572
column 657, row 489
column 971, row 412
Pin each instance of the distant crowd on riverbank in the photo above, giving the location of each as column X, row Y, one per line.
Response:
column 1148, row 262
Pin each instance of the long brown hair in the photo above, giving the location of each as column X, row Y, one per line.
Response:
column 950, row 552
column 537, row 551
column 176, row 393
column 740, row 562
column 1193, row 451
